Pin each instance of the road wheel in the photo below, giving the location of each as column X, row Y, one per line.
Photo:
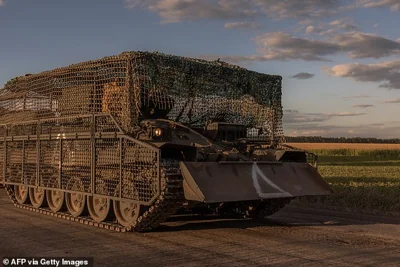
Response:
column 76, row 201
column 126, row 212
column 21, row 193
column 55, row 200
column 100, row 206
column 37, row 196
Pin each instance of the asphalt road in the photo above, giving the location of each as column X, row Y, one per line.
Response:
column 293, row 237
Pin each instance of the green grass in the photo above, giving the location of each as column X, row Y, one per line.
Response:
column 361, row 183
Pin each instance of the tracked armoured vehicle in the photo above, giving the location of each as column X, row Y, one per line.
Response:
column 126, row 141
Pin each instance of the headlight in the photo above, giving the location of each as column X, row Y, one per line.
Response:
column 158, row 132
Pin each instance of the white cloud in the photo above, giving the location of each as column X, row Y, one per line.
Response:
column 363, row 45
column 314, row 29
column 280, row 45
column 331, row 29
column 306, row 9
column 310, row 29
column 237, row 25
column 179, row 10
column 394, row 5
column 387, row 72
column 283, row 46
column 343, row 24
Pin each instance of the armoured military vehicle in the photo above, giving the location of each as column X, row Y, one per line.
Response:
column 126, row 141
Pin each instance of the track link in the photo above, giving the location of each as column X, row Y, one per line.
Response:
column 167, row 204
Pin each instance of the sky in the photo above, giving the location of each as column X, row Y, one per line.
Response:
column 339, row 60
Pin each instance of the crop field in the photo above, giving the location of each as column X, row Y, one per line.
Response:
column 365, row 177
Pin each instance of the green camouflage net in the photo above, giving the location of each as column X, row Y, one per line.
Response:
column 137, row 85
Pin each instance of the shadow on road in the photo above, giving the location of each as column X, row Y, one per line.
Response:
column 291, row 216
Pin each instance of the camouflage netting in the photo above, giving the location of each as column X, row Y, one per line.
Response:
column 137, row 85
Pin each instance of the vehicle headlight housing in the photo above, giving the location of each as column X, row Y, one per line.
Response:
column 157, row 132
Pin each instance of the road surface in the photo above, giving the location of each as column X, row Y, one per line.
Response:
column 292, row 237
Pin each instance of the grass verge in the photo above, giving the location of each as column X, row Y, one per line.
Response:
column 360, row 183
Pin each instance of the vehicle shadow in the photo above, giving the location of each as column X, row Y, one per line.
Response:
column 292, row 216
column 204, row 222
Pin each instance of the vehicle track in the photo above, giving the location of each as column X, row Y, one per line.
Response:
column 169, row 201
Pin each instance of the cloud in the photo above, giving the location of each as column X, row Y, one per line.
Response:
column 387, row 72
column 291, row 111
column 394, row 5
column 314, row 29
column 1, row 2
column 342, row 24
column 283, row 46
column 291, row 116
column 362, row 45
column 356, row 96
column 363, row 106
column 331, row 29
column 305, row 22
column 393, row 101
column 306, row 9
column 236, row 25
column 303, row 75
column 377, row 130
column 345, row 114
column 180, row 10
column 172, row 11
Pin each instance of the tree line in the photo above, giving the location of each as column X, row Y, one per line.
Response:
column 320, row 139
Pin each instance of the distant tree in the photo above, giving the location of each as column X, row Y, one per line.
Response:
column 320, row 139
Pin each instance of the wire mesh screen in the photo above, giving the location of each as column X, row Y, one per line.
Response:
column 76, row 165
column 62, row 92
column 105, row 124
column 22, row 129
column 107, row 166
column 2, row 180
column 136, row 85
column 61, row 126
column 14, row 162
column 30, row 162
column 139, row 171
column 49, row 163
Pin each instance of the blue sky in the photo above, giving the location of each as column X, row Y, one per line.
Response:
column 340, row 60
